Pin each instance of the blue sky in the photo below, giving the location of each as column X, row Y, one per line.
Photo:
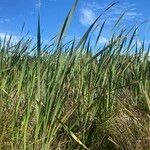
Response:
column 14, row 13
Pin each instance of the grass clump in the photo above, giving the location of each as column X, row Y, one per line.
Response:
column 66, row 96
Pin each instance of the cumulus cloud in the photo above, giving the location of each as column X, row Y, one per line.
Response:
column 90, row 10
column 87, row 16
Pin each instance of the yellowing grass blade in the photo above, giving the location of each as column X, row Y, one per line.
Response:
column 72, row 134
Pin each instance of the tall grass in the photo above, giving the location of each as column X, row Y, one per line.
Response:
column 66, row 96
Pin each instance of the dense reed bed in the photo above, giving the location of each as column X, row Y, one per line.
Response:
column 75, row 95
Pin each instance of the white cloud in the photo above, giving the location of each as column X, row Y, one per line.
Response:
column 139, row 42
column 95, row 6
column 4, row 20
column 132, row 15
column 7, row 37
column 87, row 16
column 130, row 12
column 103, row 40
column 92, row 9
column 38, row 4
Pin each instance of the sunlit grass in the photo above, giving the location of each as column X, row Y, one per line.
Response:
column 66, row 96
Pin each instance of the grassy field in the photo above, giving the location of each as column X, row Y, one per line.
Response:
column 75, row 95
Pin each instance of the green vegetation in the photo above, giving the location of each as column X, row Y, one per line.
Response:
column 67, row 96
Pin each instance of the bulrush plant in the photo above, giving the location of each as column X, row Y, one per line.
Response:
column 75, row 95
